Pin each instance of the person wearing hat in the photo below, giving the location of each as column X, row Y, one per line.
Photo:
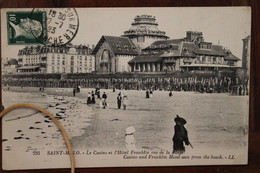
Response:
column 129, row 138
column 119, row 100
column 180, row 136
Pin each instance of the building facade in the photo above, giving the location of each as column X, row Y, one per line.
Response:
column 112, row 54
column 9, row 65
column 52, row 59
column 189, row 53
column 144, row 48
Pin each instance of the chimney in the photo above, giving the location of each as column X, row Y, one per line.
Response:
column 192, row 35
column 88, row 49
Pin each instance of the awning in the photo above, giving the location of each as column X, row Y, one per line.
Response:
column 205, row 65
column 146, row 58
column 27, row 67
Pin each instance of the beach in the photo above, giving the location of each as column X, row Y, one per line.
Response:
column 214, row 121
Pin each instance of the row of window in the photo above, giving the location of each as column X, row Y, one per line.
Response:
column 72, row 57
column 63, row 70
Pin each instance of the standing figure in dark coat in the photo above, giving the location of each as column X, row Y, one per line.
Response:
column 104, row 96
column 180, row 136
column 119, row 100
column 93, row 101
column 98, row 94
column 147, row 94
column 89, row 98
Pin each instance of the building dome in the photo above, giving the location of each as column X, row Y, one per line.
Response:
column 145, row 25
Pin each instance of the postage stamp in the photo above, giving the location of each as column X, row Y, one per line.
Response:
column 24, row 28
column 62, row 24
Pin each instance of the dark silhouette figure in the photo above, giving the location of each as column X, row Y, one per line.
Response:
column 147, row 94
column 89, row 98
column 240, row 90
column 74, row 92
column 180, row 136
column 104, row 96
column 93, row 101
column 119, row 100
column 170, row 94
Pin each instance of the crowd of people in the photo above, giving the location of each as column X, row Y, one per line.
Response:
column 195, row 84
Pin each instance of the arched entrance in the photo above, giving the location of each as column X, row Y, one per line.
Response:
column 106, row 61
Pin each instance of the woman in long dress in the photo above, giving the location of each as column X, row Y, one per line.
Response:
column 93, row 98
column 180, row 136
column 125, row 101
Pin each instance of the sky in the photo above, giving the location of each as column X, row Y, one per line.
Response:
column 224, row 25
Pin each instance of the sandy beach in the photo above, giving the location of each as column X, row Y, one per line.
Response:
column 214, row 121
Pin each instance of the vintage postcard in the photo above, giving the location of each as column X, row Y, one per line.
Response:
column 131, row 86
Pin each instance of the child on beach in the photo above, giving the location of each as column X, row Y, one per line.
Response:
column 129, row 138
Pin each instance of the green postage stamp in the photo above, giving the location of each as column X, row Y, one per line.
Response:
column 26, row 27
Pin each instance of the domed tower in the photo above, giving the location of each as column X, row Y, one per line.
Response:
column 144, row 31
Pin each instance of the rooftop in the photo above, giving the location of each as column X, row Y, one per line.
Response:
column 119, row 45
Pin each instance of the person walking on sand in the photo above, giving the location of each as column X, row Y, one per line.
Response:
column 125, row 101
column 98, row 93
column 129, row 138
column 104, row 96
column 93, row 101
column 147, row 94
column 89, row 98
column 119, row 100
column 180, row 136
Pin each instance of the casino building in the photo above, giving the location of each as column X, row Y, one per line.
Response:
column 144, row 48
column 113, row 53
column 52, row 59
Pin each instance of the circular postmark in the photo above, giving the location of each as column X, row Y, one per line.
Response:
column 62, row 25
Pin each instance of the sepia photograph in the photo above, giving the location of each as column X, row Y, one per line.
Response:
column 131, row 86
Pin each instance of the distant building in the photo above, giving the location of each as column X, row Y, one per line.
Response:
column 246, row 54
column 113, row 54
column 52, row 59
column 189, row 53
column 144, row 31
column 9, row 66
